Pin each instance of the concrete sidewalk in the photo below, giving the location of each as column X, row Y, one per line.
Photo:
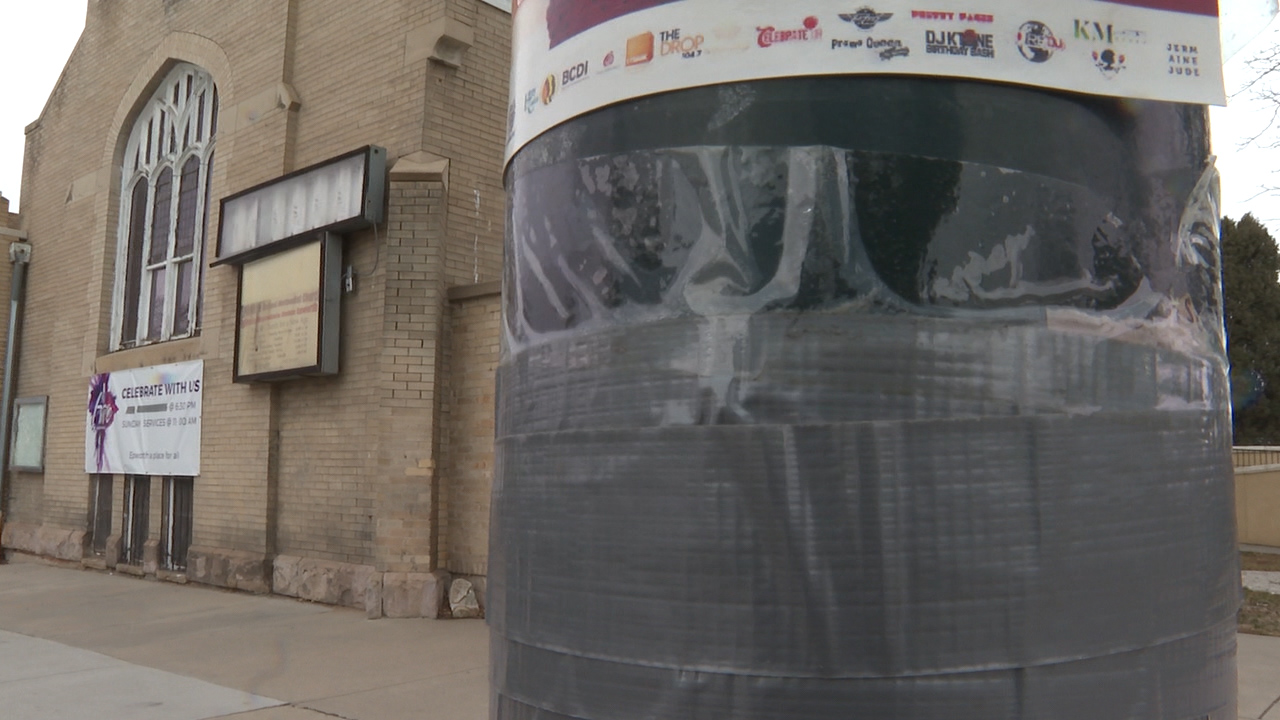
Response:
column 77, row 644
column 1258, row 662
column 84, row 645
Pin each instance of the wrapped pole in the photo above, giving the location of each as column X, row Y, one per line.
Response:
column 842, row 395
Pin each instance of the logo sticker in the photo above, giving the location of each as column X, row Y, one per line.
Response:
column 1093, row 31
column 864, row 18
column 895, row 51
column 686, row 46
column 1184, row 60
column 969, row 43
column 575, row 74
column 548, row 89
column 770, row 36
column 1037, row 42
column 886, row 49
column 952, row 16
column 640, row 49
column 1109, row 62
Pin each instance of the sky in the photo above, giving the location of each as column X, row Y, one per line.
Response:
column 1248, row 166
column 38, row 37
column 35, row 41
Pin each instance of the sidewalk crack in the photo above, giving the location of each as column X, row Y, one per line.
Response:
column 321, row 712
column 1269, row 707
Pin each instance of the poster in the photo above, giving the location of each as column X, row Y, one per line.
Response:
column 575, row 56
column 145, row 421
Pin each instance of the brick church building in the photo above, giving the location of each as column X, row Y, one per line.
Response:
column 359, row 479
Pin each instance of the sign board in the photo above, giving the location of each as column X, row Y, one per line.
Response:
column 145, row 421
column 343, row 194
column 575, row 56
column 287, row 323
column 27, row 449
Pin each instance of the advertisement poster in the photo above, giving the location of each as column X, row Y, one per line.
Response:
column 145, row 421
column 574, row 56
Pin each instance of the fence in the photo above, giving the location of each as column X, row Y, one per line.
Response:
column 1257, row 494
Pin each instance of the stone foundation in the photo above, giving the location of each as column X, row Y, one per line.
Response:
column 150, row 557
column 111, row 556
column 173, row 577
column 391, row 594
column 232, row 569
column 56, row 543
column 94, row 562
column 324, row 581
column 481, row 585
column 415, row 595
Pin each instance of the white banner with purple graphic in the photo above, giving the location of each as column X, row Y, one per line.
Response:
column 145, row 421
column 574, row 56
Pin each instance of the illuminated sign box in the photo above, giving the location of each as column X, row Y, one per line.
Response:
column 341, row 195
column 287, row 322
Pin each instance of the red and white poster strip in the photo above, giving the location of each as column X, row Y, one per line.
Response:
column 575, row 56
column 145, row 421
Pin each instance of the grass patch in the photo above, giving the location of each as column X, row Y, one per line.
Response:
column 1266, row 562
column 1260, row 614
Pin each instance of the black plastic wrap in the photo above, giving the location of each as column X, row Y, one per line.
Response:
column 886, row 398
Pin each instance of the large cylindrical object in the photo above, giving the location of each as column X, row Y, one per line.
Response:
column 864, row 397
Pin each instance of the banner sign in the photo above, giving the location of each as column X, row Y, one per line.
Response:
column 575, row 56
column 145, row 421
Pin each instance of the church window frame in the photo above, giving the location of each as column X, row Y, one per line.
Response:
column 165, row 201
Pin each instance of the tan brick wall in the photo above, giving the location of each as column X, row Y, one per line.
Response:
column 410, row 356
column 468, row 454
column 326, row 502
column 24, row 498
column 350, row 73
column 468, row 111
column 9, row 220
column 342, row 469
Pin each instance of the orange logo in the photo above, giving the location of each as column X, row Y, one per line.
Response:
column 640, row 49
column 548, row 89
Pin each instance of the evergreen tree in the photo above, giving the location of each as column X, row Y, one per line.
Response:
column 1250, row 268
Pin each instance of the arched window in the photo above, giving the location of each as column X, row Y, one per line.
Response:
column 164, row 211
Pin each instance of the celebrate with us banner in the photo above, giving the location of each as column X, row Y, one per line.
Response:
column 145, row 421
column 575, row 56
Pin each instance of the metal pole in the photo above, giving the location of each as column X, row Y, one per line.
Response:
column 20, row 256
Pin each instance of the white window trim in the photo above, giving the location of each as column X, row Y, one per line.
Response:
column 176, row 116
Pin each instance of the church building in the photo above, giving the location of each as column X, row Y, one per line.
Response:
column 263, row 248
